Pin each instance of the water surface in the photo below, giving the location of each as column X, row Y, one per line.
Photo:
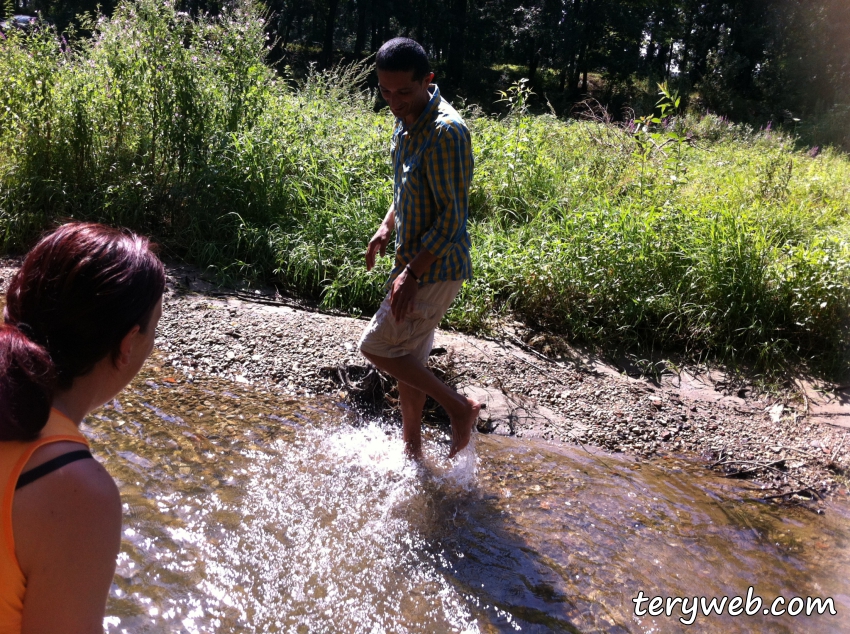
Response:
column 248, row 513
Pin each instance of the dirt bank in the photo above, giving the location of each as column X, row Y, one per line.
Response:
column 258, row 337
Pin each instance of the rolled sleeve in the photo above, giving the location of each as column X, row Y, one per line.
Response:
column 449, row 169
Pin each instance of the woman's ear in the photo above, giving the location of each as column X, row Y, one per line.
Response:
column 125, row 350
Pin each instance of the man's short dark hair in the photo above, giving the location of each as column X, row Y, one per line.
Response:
column 403, row 54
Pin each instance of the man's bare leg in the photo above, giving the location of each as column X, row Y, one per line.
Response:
column 462, row 411
column 412, row 403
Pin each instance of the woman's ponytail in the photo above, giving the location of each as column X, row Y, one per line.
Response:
column 27, row 383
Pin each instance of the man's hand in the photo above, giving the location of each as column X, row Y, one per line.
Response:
column 402, row 294
column 378, row 243
column 381, row 239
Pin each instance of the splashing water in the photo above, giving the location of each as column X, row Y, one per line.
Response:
column 247, row 514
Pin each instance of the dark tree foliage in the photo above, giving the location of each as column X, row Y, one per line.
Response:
column 753, row 60
column 58, row 12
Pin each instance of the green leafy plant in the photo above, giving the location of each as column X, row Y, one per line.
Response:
column 662, row 134
column 516, row 98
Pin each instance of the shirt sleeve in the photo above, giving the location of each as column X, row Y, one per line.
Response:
column 448, row 166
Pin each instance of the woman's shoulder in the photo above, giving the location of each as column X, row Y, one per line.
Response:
column 77, row 506
column 67, row 528
column 77, row 484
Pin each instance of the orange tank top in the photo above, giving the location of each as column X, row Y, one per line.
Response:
column 14, row 456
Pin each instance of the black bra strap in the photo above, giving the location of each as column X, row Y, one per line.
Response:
column 51, row 465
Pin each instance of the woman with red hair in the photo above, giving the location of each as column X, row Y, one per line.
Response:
column 80, row 320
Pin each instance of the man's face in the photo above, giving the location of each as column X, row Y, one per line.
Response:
column 406, row 98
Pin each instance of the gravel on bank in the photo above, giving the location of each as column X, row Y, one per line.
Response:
column 258, row 337
column 764, row 439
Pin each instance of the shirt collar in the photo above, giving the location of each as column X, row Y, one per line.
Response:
column 428, row 113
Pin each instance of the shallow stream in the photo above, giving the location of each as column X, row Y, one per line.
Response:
column 246, row 513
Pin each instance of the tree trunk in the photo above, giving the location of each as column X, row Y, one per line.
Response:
column 360, row 37
column 380, row 24
column 575, row 73
column 568, row 37
column 650, row 53
column 299, row 27
column 456, row 42
column 581, row 69
column 583, row 30
column 533, row 60
column 683, row 64
column 284, row 25
column 385, row 27
column 330, row 24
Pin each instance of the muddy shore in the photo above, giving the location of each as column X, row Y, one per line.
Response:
column 774, row 442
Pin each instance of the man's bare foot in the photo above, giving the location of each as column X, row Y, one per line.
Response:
column 414, row 454
column 462, row 429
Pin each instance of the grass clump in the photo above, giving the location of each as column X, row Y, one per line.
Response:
column 177, row 127
column 671, row 231
column 736, row 245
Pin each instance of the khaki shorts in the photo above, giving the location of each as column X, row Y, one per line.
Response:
column 385, row 337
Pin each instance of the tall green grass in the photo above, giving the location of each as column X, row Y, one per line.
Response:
column 731, row 244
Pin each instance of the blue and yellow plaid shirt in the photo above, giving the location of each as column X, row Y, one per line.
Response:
column 432, row 170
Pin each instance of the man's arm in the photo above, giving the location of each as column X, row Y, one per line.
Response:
column 404, row 288
column 381, row 238
column 448, row 166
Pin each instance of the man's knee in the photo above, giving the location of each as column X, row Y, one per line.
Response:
column 374, row 359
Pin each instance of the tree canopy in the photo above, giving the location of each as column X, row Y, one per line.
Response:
column 752, row 60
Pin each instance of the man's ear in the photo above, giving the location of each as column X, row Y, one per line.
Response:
column 429, row 79
column 125, row 350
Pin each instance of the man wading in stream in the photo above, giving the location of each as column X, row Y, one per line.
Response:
column 432, row 168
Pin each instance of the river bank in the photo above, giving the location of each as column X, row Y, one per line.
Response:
column 771, row 440
column 258, row 337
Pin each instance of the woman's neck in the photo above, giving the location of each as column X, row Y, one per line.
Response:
column 71, row 405
column 87, row 392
